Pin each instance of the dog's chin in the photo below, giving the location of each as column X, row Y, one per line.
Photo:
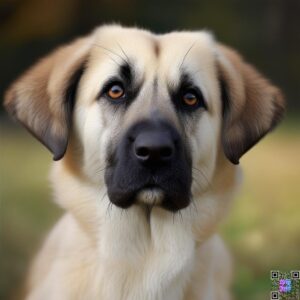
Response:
column 150, row 195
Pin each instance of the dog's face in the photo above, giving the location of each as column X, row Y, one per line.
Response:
column 150, row 116
column 155, row 112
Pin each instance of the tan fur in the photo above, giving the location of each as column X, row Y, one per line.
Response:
column 97, row 251
column 253, row 99
column 36, row 99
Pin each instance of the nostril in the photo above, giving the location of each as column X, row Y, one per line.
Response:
column 142, row 152
column 166, row 152
column 153, row 146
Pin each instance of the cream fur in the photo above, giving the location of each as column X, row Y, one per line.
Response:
column 99, row 251
column 124, row 255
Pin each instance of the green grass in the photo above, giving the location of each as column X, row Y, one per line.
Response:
column 262, row 230
column 26, row 212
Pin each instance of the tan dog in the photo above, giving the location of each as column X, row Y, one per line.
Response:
column 146, row 131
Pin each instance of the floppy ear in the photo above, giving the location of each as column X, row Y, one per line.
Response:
column 42, row 99
column 252, row 106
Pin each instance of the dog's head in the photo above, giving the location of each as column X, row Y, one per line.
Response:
column 151, row 116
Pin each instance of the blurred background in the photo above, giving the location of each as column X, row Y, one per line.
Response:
column 263, row 229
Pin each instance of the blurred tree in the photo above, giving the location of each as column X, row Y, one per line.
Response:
column 266, row 31
column 36, row 19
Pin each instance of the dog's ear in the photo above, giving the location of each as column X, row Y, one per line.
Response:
column 252, row 106
column 42, row 98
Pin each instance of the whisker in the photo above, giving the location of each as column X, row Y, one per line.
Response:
column 124, row 52
column 153, row 204
column 122, row 210
column 104, row 194
column 111, row 51
column 113, row 60
column 196, row 181
column 109, row 205
column 194, row 204
column 101, row 170
column 109, row 208
column 204, row 176
column 186, row 54
column 179, row 214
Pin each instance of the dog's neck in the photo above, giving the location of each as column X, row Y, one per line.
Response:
column 156, row 249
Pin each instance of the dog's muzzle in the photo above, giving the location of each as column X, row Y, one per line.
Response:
column 150, row 164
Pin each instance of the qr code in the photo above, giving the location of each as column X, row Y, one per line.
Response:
column 285, row 285
column 274, row 295
column 295, row 274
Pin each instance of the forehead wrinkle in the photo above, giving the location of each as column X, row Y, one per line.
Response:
column 156, row 47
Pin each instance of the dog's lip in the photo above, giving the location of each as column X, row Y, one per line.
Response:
column 150, row 186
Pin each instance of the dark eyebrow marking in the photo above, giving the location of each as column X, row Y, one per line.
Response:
column 126, row 73
column 125, row 76
column 185, row 80
column 186, row 83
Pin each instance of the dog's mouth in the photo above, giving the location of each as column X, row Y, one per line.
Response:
column 170, row 193
column 150, row 165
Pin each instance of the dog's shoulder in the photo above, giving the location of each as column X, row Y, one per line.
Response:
column 57, row 257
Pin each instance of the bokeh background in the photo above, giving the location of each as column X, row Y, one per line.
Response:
column 263, row 229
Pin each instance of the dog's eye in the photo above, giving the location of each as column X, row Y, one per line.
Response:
column 190, row 99
column 115, row 91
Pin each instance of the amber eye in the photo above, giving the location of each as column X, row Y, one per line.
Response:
column 190, row 99
column 116, row 91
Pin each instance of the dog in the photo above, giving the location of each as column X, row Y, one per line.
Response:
column 146, row 131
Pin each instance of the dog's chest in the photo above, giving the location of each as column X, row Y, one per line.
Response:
column 144, row 259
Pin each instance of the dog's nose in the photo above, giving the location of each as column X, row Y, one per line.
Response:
column 154, row 147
